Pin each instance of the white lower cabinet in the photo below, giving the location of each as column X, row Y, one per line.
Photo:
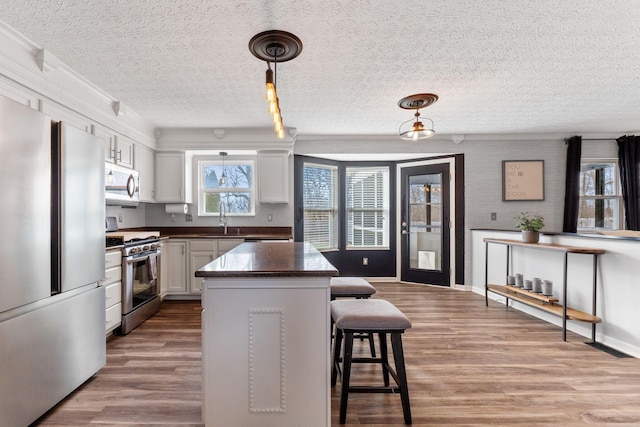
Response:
column 112, row 284
column 201, row 253
column 184, row 257
column 174, row 260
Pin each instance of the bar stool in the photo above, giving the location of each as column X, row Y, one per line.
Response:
column 370, row 316
column 353, row 287
column 350, row 287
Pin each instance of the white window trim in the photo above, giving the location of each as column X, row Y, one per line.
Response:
column 202, row 191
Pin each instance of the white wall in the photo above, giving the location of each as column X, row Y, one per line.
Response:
column 129, row 217
column 618, row 283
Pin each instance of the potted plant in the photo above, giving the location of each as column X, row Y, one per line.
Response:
column 530, row 226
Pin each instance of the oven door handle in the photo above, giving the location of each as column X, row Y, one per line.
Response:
column 132, row 259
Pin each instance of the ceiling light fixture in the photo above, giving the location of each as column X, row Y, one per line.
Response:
column 223, row 177
column 275, row 46
column 417, row 129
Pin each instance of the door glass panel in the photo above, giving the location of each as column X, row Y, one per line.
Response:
column 425, row 223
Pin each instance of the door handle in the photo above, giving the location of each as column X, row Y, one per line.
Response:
column 404, row 223
column 405, row 232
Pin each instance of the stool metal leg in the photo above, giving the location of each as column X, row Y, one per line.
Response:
column 398, row 356
column 346, row 373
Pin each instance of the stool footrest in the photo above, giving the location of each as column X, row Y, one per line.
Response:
column 367, row 360
column 373, row 389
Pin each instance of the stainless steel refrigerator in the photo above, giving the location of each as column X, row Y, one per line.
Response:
column 52, row 335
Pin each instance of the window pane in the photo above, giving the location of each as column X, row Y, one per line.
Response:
column 238, row 175
column 234, row 203
column 320, row 201
column 212, row 202
column 367, row 206
column 211, row 176
column 598, row 179
column 599, row 213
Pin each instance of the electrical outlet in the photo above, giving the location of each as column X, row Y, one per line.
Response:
column 188, row 217
column 365, row 261
column 494, row 216
column 270, row 217
column 119, row 217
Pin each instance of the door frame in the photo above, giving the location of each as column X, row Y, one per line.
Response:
column 451, row 161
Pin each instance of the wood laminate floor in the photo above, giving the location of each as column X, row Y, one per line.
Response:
column 468, row 365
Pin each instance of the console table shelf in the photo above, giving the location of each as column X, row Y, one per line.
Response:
column 534, row 300
column 548, row 304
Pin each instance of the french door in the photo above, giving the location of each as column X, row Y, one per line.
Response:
column 425, row 224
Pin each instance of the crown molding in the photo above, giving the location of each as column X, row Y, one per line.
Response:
column 40, row 72
column 188, row 139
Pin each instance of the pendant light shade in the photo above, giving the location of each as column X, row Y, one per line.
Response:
column 415, row 129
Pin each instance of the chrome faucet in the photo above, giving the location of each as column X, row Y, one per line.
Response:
column 223, row 217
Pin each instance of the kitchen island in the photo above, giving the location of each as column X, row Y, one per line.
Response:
column 266, row 336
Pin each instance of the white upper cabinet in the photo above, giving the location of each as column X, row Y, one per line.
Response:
column 109, row 139
column 173, row 178
column 145, row 163
column 117, row 149
column 273, row 172
column 123, row 151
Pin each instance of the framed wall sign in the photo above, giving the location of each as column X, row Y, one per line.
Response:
column 522, row 180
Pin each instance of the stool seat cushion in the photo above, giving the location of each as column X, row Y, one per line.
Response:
column 368, row 315
column 351, row 286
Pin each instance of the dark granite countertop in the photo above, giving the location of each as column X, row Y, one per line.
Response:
column 265, row 259
column 245, row 233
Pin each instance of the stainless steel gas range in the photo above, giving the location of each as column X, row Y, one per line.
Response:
column 141, row 256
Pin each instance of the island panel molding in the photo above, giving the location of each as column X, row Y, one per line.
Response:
column 267, row 367
column 522, row 180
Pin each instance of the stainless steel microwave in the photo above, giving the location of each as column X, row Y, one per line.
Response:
column 122, row 185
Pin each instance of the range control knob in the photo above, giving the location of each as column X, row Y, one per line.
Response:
column 154, row 246
column 134, row 250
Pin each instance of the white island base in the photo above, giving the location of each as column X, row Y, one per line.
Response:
column 266, row 351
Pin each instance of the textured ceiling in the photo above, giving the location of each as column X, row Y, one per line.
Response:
column 499, row 66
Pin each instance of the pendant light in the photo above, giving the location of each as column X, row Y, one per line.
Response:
column 274, row 46
column 415, row 130
column 223, row 178
column 111, row 178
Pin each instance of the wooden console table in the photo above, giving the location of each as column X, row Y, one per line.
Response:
column 542, row 302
